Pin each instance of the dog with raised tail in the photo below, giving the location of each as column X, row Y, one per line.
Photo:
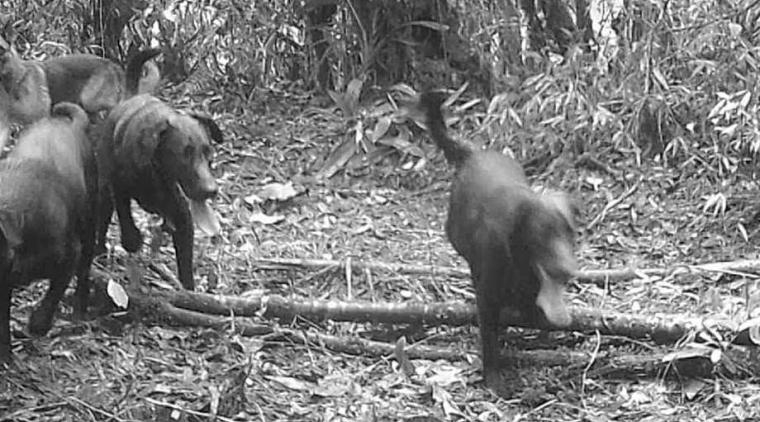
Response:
column 160, row 157
column 519, row 244
column 28, row 88
column 47, row 202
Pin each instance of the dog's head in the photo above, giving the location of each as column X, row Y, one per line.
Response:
column 73, row 113
column 24, row 96
column 549, row 237
column 182, row 152
column 149, row 78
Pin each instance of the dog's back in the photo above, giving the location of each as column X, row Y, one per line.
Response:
column 68, row 75
column 482, row 182
column 62, row 142
column 97, row 83
column 486, row 181
column 140, row 117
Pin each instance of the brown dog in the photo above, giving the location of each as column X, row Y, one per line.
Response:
column 519, row 244
column 160, row 157
column 30, row 88
column 46, row 215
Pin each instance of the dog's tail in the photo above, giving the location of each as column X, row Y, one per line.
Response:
column 135, row 67
column 73, row 112
column 455, row 152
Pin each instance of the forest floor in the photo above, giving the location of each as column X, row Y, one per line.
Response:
column 105, row 369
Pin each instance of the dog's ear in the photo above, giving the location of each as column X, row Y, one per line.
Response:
column 8, row 37
column 150, row 138
column 5, row 37
column 210, row 125
column 564, row 205
column 149, row 79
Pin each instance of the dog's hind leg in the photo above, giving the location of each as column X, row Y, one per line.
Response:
column 182, row 237
column 41, row 318
column 5, row 317
column 103, row 211
column 101, row 230
column 488, row 321
column 83, row 269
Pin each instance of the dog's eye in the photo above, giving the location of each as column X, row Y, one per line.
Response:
column 189, row 151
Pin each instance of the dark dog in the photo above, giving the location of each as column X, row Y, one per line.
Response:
column 46, row 215
column 160, row 157
column 30, row 88
column 519, row 244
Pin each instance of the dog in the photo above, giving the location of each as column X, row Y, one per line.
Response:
column 30, row 88
column 519, row 244
column 47, row 205
column 160, row 157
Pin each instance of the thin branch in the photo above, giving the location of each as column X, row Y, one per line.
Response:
column 612, row 204
column 744, row 268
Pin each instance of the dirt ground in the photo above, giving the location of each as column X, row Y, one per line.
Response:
column 109, row 370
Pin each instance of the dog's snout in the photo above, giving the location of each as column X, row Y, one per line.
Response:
column 210, row 190
column 207, row 186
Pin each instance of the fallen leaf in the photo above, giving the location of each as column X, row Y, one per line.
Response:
column 292, row 383
column 117, row 294
column 275, row 192
column 262, row 218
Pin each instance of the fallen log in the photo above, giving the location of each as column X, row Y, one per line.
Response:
column 661, row 328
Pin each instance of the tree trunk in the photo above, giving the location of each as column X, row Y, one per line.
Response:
column 510, row 38
column 107, row 21
column 317, row 18
column 559, row 24
column 583, row 21
column 536, row 39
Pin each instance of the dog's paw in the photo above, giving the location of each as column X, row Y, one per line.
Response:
column 40, row 322
column 131, row 240
column 100, row 248
column 80, row 315
column 498, row 385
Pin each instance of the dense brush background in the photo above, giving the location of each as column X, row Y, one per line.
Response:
column 645, row 111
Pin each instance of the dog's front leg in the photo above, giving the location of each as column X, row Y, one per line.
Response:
column 177, row 212
column 182, row 237
column 103, row 211
column 131, row 238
